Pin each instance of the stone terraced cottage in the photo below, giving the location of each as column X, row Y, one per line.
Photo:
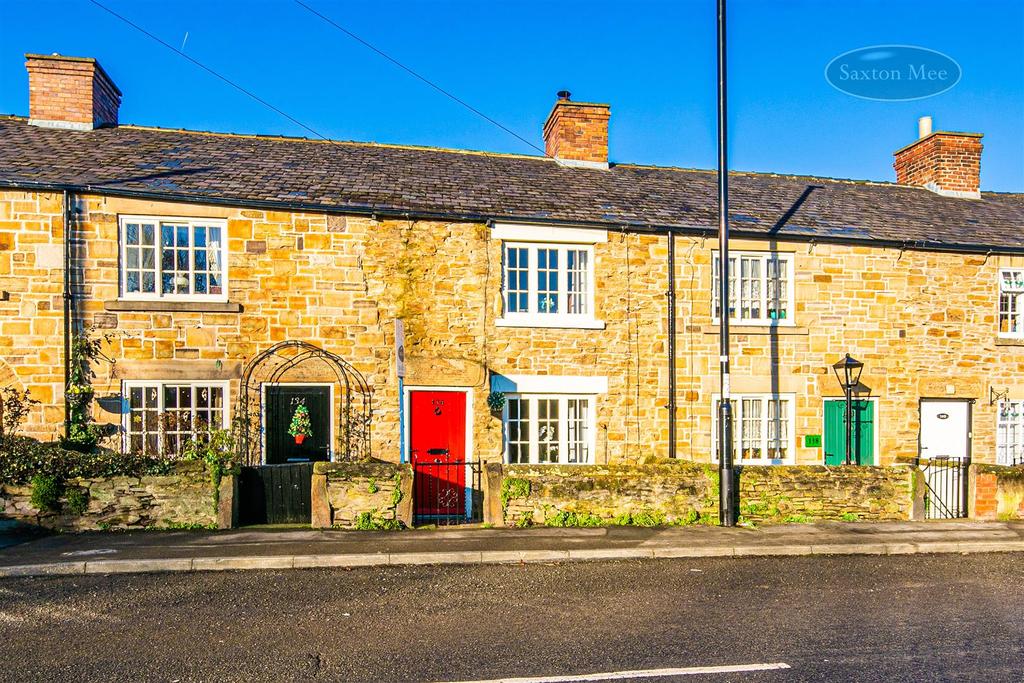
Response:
column 523, row 299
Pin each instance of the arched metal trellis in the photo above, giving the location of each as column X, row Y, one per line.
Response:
column 282, row 362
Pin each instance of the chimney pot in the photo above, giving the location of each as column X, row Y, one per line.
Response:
column 564, row 94
column 70, row 92
column 924, row 127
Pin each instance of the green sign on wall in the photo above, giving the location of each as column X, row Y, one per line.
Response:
column 812, row 440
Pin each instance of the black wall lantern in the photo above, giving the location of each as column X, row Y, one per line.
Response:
column 848, row 373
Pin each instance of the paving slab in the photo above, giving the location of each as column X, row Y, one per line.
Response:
column 276, row 548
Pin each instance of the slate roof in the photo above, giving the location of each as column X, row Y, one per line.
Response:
column 424, row 182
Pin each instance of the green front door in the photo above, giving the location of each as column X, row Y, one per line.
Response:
column 863, row 432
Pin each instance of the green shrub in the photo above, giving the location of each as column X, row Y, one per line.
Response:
column 648, row 518
column 22, row 458
column 77, row 501
column 573, row 519
column 46, row 492
column 370, row 521
column 513, row 488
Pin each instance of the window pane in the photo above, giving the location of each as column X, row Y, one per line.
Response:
column 131, row 233
column 778, row 429
column 577, row 430
column 547, row 430
column 547, row 281
column 750, row 429
column 516, row 279
column 148, row 235
column 518, row 430
column 778, row 288
column 1010, row 433
column 577, row 286
column 1011, row 298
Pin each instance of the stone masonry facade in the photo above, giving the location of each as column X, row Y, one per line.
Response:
column 924, row 323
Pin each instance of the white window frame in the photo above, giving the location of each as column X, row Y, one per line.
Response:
column 158, row 221
column 1019, row 303
column 590, row 439
column 1009, row 414
column 764, row 257
column 161, row 384
column 563, row 239
column 737, row 416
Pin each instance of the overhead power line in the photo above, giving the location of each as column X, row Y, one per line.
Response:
column 426, row 80
column 202, row 66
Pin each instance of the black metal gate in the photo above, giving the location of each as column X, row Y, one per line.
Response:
column 275, row 494
column 446, row 492
column 945, row 478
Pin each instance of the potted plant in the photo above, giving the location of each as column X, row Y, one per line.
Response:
column 300, row 427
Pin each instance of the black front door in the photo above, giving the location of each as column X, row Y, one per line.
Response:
column 281, row 404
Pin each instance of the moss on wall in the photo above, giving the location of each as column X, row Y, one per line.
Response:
column 666, row 492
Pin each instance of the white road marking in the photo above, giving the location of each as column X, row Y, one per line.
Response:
column 89, row 553
column 638, row 673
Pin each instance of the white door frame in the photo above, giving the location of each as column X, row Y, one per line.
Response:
column 874, row 415
column 263, row 413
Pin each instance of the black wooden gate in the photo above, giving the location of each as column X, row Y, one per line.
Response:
column 945, row 478
column 275, row 494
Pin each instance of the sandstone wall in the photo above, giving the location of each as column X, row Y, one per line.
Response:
column 923, row 323
column 674, row 492
column 362, row 495
column 184, row 498
column 847, row 493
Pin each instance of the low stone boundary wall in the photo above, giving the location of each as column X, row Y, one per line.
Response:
column 369, row 494
column 996, row 492
column 799, row 493
column 678, row 492
column 184, row 498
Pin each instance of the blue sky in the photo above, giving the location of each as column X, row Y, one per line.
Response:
column 653, row 61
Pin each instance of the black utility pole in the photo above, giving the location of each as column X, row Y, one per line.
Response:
column 726, row 478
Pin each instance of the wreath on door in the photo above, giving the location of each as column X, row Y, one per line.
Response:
column 300, row 427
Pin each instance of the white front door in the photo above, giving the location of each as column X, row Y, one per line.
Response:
column 945, row 429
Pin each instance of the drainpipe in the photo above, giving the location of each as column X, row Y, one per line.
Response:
column 66, row 220
column 671, row 344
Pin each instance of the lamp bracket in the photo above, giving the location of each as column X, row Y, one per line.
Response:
column 994, row 395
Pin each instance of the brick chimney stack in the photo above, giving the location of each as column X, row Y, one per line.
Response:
column 576, row 133
column 944, row 162
column 70, row 92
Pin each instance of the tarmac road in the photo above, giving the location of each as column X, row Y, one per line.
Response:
column 857, row 618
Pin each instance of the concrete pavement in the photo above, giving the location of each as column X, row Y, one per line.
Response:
column 267, row 548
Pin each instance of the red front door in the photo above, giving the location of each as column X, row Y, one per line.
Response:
column 437, row 446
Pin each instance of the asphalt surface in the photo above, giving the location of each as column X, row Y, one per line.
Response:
column 858, row 618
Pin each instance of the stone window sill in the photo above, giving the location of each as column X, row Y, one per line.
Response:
column 1009, row 341
column 132, row 306
column 553, row 322
column 781, row 330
